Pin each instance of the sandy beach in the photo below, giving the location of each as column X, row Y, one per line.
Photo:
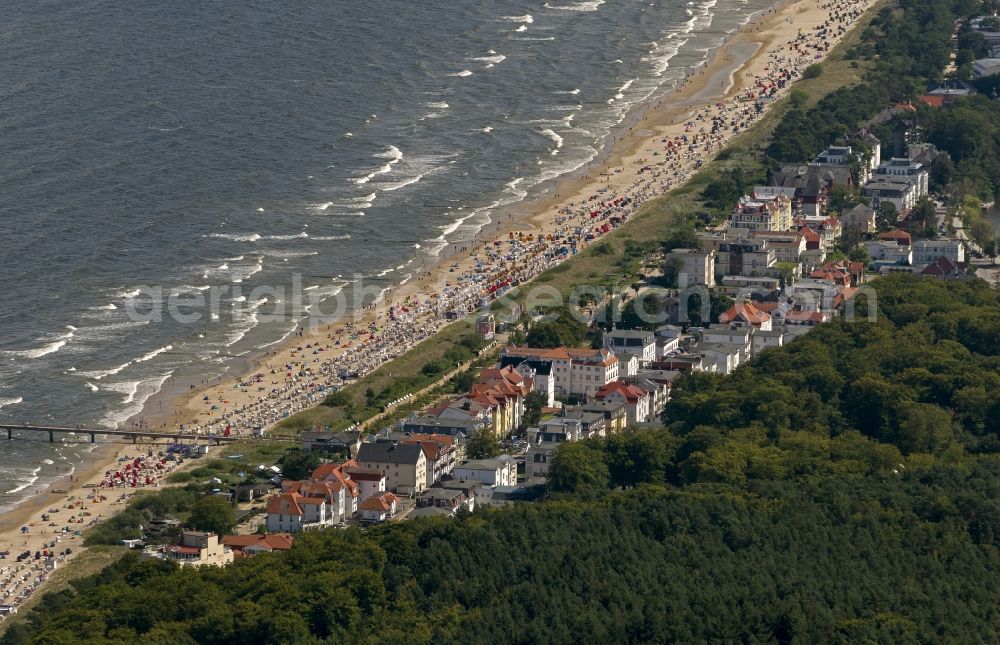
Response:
column 659, row 148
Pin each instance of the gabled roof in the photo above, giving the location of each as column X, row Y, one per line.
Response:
column 901, row 238
column 269, row 541
column 810, row 234
column 382, row 503
column 746, row 312
column 385, row 452
column 941, row 266
column 631, row 393
column 285, row 504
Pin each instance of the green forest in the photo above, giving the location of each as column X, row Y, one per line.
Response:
column 844, row 487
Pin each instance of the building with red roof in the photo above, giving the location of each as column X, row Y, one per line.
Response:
column 745, row 314
column 292, row 512
column 255, row 543
column 637, row 401
column 378, row 508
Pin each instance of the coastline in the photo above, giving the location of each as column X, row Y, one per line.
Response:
column 743, row 56
column 728, row 72
column 525, row 215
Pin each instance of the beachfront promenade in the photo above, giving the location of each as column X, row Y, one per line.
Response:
column 135, row 435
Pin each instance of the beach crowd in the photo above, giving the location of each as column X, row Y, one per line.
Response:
column 383, row 331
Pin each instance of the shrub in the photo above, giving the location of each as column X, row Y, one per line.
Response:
column 813, row 71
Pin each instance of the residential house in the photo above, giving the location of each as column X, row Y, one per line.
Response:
column 720, row 357
column 405, row 465
column 764, row 213
column 378, row 508
column 883, row 253
column 538, row 459
column 339, row 504
column 507, row 495
column 258, row 543
column 743, row 287
column 861, row 218
column 346, row 443
column 631, row 342
column 812, row 184
column 895, row 236
column 762, row 340
column 638, row 402
column 291, row 512
column 557, row 430
column 592, row 424
column 460, row 429
column 928, row 251
column 898, row 191
column 697, row 267
column 615, row 414
column 449, row 499
column 745, row 314
column 501, row 471
column 668, row 339
column 944, row 269
column 737, row 332
column 441, row 452
column 788, row 245
column 579, row 372
column 905, row 168
column 745, row 256
column 342, row 508
column 198, row 549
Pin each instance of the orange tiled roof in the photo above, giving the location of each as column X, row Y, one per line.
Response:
column 631, row 393
column 381, row 502
column 273, row 541
column 745, row 311
column 285, row 504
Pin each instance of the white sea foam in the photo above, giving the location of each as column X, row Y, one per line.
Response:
column 14, row 401
column 523, row 28
column 591, row 5
column 31, row 480
column 97, row 375
column 487, row 129
column 405, row 183
column 128, row 295
column 136, row 394
column 493, row 60
column 330, row 238
column 53, row 346
column 462, row 74
column 93, row 388
column 558, row 140
column 527, row 19
column 153, row 354
column 394, row 156
column 358, row 202
column 437, row 105
column 574, row 92
column 247, row 237
column 128, row 388
column 107, row 307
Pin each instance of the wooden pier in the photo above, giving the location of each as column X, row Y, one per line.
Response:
column 135, row 435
